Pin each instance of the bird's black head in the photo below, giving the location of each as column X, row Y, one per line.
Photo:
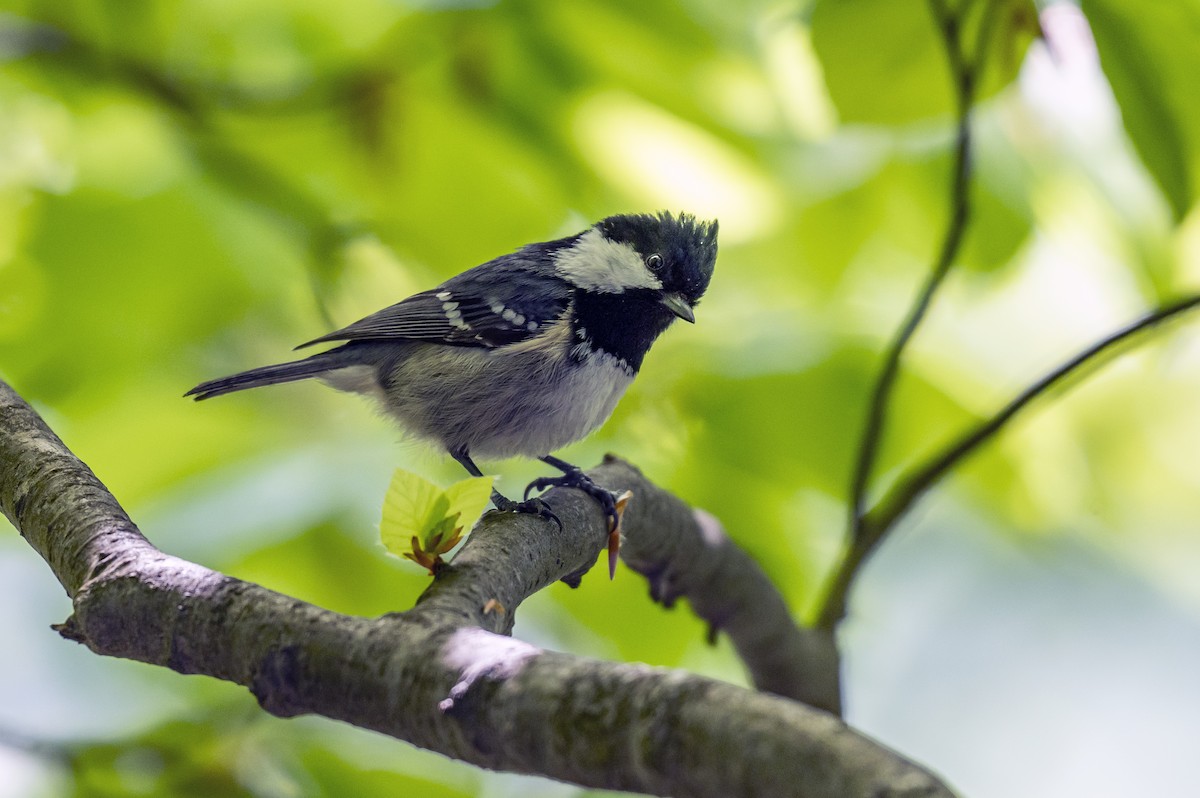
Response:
column 669, row 256
column 635, row 274
column 677, row 250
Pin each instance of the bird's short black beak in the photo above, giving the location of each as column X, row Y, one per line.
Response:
column 679, row 306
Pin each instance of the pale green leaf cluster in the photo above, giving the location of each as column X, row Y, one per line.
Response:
column 418, row 515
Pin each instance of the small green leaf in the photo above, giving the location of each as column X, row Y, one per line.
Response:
column 468, row 499
column 885, row 61
column 410, row 509
column 415, row 510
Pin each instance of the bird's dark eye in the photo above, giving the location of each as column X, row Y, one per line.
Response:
column 654, row 262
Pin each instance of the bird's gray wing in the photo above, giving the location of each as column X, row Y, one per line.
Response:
column 502, row 302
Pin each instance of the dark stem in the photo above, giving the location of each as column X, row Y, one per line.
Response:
column 873, row 428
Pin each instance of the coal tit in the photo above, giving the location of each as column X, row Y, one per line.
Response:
column 523, row 354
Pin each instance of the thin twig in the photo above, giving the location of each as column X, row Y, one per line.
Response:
column 965, row 78
column 900, row 499
column 902, row 496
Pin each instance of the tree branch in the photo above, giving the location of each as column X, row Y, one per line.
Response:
column 915, row 482
column 442, row 675
column 694, row 559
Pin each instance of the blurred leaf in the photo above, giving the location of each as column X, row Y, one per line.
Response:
column 902, row 202
column 1150, row 55
column 182, row 759
column 832, row 232
column 885, row 61
column 996, row 232
column 630, row 626
column 335, row 777
column 22, row 297
column 331, row 568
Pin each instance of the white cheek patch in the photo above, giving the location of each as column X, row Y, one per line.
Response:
column 598, row 264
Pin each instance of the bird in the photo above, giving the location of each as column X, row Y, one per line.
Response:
column 521, row 355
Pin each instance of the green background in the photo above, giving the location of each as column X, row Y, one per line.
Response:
column 190, row 189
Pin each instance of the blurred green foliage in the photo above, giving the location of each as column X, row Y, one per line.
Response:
column 189, row 189
column 1150, row 58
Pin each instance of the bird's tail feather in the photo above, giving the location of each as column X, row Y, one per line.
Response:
column 268, row 375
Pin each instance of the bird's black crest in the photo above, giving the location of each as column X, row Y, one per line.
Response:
column 688, row 246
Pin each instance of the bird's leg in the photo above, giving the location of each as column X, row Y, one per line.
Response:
column 503, row 503
column 573, row 477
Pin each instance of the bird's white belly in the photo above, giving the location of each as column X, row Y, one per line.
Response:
column 564, row 408
column 498, row 404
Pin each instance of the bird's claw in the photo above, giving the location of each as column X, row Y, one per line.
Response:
column 540, row 484
column 534, row 506
column 576, row 478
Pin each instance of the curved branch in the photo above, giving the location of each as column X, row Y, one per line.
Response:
column 690, row 556
column 915, row 482
column 440, row 675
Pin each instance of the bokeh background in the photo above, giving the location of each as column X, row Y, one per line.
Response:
column 189, row 189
